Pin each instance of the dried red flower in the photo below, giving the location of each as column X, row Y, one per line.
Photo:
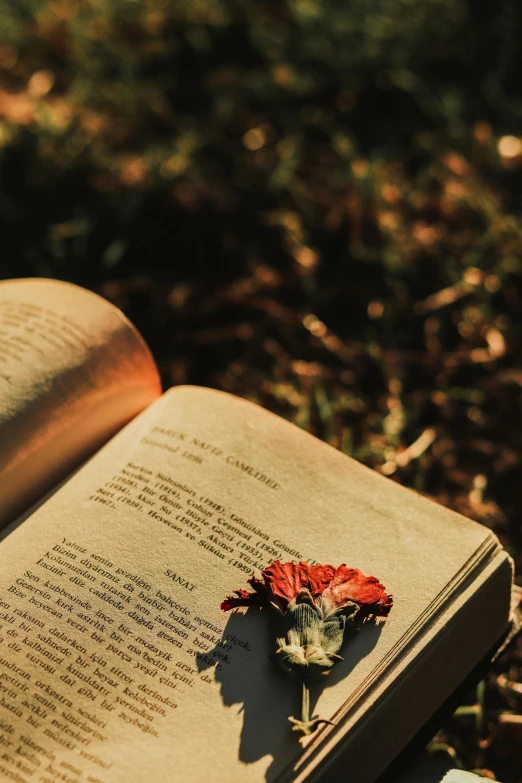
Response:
column 318, row 604
column 282, row 583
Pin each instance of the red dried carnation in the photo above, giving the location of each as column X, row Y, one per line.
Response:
column 330, row 588
column 317, row 605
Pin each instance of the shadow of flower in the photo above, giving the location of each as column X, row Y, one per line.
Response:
column 267, row 696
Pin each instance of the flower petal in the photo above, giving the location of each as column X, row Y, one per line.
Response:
column 337, row 587
column 286, row 580
column 350, row 584
column 243, row 598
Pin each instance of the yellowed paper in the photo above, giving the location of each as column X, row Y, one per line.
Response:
column 117, row 665
column 73, row 371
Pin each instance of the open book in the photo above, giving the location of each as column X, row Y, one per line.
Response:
column 116, row 663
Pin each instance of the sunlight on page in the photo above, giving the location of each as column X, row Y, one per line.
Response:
column 73, row 371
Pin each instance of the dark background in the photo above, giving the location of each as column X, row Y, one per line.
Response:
column 311, row 204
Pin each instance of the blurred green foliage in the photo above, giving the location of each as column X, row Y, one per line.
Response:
column 116, row 111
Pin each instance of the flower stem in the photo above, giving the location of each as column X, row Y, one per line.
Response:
column 305, row 704
column 307, row 724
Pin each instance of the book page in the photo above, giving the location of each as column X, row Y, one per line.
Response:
column 117, row 665
column 73, row 371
